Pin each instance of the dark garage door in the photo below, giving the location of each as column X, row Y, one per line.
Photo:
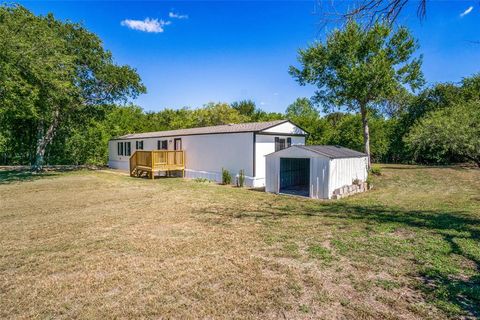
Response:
column 295, row 176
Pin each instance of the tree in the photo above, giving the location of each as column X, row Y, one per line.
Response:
column 440, row 96
column 51, row 71
column 446, row 132
column 245, row 107
column 360, row 69
column 370, row 11
column 213, row 114
column 303, row 113
column 348, row 133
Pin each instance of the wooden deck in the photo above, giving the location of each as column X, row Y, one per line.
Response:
column 151, row 162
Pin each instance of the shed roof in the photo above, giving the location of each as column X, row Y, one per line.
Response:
column 226, row 128
column 332, row 152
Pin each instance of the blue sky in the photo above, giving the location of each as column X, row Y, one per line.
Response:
column 227, row 51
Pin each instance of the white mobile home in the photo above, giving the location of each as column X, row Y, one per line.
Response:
column 207, row 150
column 320, row 172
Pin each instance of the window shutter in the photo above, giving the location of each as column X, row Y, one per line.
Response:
column 158, row 144
column 277, row 143
column 289, row 142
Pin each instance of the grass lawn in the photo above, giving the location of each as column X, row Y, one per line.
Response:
column 99, row 244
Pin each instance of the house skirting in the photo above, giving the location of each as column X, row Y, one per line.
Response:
column 251, row 182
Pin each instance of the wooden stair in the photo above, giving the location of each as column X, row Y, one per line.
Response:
column 147, row 163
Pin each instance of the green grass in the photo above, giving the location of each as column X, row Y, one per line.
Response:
column 100, row 244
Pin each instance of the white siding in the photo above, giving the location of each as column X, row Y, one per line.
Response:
column 344, row 171
column 265, row 144
column 210, row 153
column 319, row 166
column 319, row 176
column 272, row 174
column 205, row 155
column 326, row 174
column 286, row 128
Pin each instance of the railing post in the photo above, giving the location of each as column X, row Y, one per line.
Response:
column 152, row 164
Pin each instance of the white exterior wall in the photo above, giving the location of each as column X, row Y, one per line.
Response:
column 265, row 144
column 205, row 155
column 114, row 160
column 319, row 167
column 345, row 171
column 326, row 174
column 319, row 177
column 286, row 127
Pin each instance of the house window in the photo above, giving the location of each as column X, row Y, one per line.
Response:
column 120, row 148
column 139, row 145
column 128, row 148
column 279, row 144
column 289, row 142
column 162, row 145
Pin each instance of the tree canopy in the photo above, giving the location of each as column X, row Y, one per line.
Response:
column 360, row 69
column 52, row 72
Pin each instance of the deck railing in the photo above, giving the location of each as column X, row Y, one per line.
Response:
column 156, row 160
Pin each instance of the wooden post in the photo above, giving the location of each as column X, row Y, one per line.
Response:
column 153, row 176
column 183, row 164
column 136, row 163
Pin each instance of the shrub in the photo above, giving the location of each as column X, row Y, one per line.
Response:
column 201, row 180
column 226, row 177
column 241, row 178
column 376, row 170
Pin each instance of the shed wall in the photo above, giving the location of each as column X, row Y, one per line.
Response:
column 345, row 171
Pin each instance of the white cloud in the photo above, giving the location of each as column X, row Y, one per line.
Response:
column 147, row 25
column 175, row 15
column 464, row 13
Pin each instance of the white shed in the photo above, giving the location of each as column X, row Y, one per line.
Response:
column 314, row 171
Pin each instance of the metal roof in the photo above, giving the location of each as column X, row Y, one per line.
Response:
column 334, row 152
column 226, row 128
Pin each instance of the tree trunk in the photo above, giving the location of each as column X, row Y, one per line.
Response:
column 366, row 133
column 43, row 140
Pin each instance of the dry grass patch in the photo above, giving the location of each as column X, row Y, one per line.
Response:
column 96, row 244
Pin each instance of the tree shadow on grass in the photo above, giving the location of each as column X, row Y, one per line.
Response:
column 452, row 292
column 12, row 176
column 455, row 294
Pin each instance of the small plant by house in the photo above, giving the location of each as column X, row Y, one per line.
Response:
column 201, row 180
column 376, row 170
column 241, row 179
column 226, row 177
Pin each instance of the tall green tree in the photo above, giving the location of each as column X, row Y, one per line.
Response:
column 360, row 69
column 245, row 107
column 52, row 70
column 303, row 113
column 446, row 132
column 213, row 114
